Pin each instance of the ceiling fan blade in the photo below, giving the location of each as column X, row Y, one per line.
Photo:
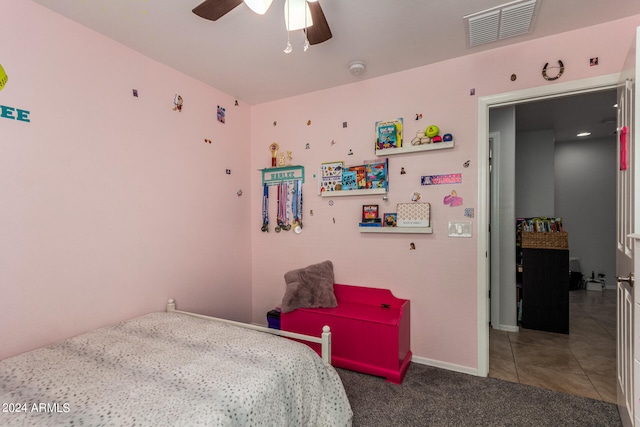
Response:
column 215, row 9
column 319, row 32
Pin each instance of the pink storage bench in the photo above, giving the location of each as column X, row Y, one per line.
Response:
column 370, row 330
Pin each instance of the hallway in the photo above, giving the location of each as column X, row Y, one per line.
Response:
column 581, row 363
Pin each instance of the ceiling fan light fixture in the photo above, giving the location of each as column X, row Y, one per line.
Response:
column 259, row 6
column 297, row 15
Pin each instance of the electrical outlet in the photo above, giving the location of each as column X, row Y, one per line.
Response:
column 460, row 229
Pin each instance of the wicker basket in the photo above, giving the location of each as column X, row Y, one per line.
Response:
column 538, row 240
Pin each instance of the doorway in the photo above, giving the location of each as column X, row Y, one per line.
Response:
column 547, row 171
column 483, row 251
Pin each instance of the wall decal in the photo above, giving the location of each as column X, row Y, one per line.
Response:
column 453, row 178
column 344, row 124
column 469, row 212
column 177, row 103
column 11, row 113
column 453, row 199
column 467, row 163
column 135, row 92
column 221, row 114
column 593, row 61
column 207, row 140
column 3, row 77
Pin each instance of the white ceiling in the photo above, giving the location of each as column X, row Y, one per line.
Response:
column 242, row 55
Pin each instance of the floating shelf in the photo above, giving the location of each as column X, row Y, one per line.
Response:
column 415, row 148
column 398, row 230
column 363, row 192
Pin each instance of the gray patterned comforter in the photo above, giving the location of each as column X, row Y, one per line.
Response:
column 170, row 369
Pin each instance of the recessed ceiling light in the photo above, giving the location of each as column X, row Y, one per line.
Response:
column 584, row 134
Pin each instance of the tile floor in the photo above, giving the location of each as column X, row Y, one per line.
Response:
column 581, row 363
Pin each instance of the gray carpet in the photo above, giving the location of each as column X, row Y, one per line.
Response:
column 436, row 397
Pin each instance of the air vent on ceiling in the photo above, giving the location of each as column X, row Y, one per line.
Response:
column 501, row 22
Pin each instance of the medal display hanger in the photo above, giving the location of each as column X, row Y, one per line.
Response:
column 289, row 180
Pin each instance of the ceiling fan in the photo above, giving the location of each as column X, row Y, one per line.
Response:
column 317, row 32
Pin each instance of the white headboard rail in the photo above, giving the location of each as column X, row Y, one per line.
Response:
column 324, row 339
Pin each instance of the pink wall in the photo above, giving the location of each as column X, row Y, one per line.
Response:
column 112, row 204
column 440, row 275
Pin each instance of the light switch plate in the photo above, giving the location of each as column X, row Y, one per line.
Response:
column 460, row 229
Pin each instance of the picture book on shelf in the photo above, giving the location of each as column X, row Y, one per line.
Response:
column 361, row 176
column 389, row 134
column 332, row 176
column 377, row 174
column 349, row 180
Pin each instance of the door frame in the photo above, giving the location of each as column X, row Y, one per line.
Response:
column 485, row 103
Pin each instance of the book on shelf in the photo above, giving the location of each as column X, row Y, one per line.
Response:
column 349, row 180
column 361, row 176
column 332, row 176
column 377, row 174
column 540, row 225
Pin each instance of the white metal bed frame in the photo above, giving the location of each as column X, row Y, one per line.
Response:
column 324, row 340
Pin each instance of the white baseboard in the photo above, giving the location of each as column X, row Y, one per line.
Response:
column 444, row 365
column 507, row 328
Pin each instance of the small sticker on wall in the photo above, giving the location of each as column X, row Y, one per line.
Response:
column 453, row 199
column 221, row 114
column 3, row 77
column 452, row 178
column 177, row 103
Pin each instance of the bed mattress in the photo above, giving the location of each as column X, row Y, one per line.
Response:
column 170, row 369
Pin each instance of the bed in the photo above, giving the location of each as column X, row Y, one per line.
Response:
column 171, row 369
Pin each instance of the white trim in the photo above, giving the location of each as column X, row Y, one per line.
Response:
column 444, row 365
column 507, row 328
column 484, row 103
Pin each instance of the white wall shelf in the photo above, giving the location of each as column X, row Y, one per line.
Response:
column 363, row 192
column 398, row 230
column 415, row 148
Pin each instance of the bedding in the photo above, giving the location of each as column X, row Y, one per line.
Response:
column 170, row 369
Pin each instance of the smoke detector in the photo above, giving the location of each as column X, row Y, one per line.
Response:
column 357, row 67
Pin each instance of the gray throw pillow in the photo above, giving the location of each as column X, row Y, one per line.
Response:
column 309, row 287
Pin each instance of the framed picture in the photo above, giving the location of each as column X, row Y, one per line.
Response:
column 369, row 212
column 390, row 220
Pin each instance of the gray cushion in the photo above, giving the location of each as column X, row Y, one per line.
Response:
column 309, row 287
